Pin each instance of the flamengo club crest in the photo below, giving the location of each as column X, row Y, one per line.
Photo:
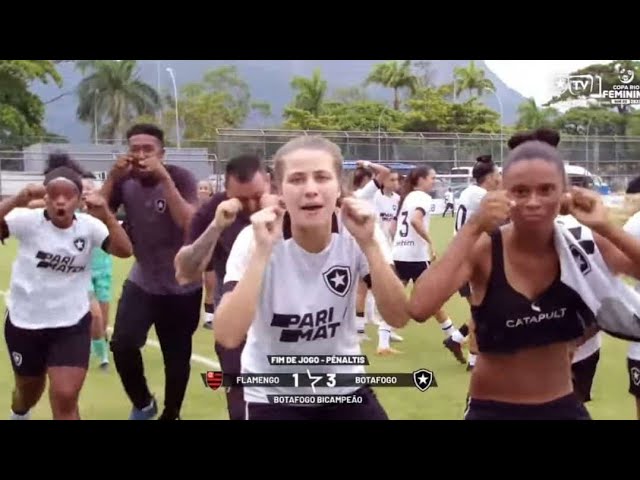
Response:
column 213, row 380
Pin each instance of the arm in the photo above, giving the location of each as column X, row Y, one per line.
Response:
column 112, row 192
column 18, row 223
column 242, row 288
column 191, row 260
column 386, row 287
column 620, row 250
column 119, row 244
column 443, row 278
column 6, row 206
column 418, row 225
column 206, row 227
column 40, row 203
column 181, row 199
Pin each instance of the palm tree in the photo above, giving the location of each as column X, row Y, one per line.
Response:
column 112, row 95
column 396, row 75
column 472, row 78
column 310, row 92
column 530, row 116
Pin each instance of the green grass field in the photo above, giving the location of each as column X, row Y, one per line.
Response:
column 104, row 398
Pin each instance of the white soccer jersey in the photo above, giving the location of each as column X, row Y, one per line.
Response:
column 52, row 271
column 386, row 207
column 633, row 228
column 306, row 307
column 408, row 246
column 448, row 197
column 468, row 204
column 368, row 191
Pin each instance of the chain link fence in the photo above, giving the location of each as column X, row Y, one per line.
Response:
column 615, row 159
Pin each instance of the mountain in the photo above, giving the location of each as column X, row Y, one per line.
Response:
column 269, row 81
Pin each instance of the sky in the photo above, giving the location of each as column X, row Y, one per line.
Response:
column 535, row 78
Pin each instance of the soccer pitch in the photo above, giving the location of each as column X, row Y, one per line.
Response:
column 103, row 397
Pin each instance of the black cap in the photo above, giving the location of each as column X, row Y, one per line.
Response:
column 66, row 173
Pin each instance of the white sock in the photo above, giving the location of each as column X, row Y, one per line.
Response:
column 447, row 327
column 457, row 336
column 208, row 317
column 384, row 334
column 369, row 307
column 472, row 359
column 15, row 416
column 360, row 322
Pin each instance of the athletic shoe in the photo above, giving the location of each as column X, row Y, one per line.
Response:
column 394, row 337
column 385, row 352
column 455, row 348
column 147, row 413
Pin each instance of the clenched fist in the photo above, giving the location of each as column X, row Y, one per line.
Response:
column 359, row 218
column 33, row 191
column 227, row 212
column 122, row 167
column 267, row 227
column 587, row 207
column 96, row 206
column 494, row 211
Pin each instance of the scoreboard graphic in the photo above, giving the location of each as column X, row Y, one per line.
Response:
column 422, row 379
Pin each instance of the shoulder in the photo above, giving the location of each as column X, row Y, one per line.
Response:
column 181, row 174
column 26, row 214
column 84, row 219
column 207, row 210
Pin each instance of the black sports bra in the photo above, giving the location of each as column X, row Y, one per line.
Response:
column 507, row 321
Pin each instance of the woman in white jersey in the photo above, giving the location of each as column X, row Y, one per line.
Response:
column 413, row 247
column 290, row 288
column 386, row 202
column 368, row 180
column 48, row 323
column 487, row 178
column 632, row 226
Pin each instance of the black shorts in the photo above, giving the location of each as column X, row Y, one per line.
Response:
column 465, row 291
column 410, row 270
column 369, row 409
column 568, row 407
column 583, row 373
column 33, row 351
column 229, row 359
column 633, row 367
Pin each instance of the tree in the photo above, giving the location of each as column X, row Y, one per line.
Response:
column 596, row 77
column 429, row 111
column 355, row 116
column 590, row 121
column 349, row 95
column 425, row 73
column 22, row 112
column 112, row 95
column 221, row 100
column 395, row 75
column 472, row 79
column 310, row 92
column 530, row 116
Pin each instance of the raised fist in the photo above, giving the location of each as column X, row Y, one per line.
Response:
column 267, row 227
column 227, row 212
column 359, row 218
